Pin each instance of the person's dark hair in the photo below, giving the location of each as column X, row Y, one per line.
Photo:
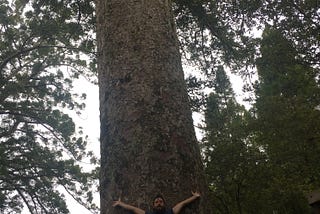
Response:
column 159, row 196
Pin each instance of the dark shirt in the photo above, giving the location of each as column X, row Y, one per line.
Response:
column 168, row 211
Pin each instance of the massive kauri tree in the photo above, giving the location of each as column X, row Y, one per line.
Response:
column 148, row 144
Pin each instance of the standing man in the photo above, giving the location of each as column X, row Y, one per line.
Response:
column 158, row 205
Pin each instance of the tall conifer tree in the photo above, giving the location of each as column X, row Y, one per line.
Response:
column 231, row 161
column 148, row 143
column 288, row 119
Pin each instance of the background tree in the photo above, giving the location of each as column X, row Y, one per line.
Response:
column 234, row 165
column 40, row 144
column 287, row 119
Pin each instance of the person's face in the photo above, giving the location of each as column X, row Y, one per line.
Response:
column 158, row 204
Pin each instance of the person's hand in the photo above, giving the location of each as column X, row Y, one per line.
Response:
column 196, row 194
column 117, row 203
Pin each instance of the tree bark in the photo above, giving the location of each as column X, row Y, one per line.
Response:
column 148, row 144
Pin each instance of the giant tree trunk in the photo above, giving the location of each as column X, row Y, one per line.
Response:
column 148, row 144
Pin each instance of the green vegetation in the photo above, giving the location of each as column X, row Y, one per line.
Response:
column 265, row 158
column 40, row 144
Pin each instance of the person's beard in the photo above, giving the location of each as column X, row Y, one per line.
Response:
column 159, row 210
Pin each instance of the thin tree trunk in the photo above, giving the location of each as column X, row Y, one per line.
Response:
column 148, row 144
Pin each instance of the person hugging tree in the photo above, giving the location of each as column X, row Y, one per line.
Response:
column 158, row 205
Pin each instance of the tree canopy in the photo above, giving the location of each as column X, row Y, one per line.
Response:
column 40, row 145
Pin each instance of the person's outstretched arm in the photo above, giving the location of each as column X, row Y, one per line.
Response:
column 178, row 207
column 134, row 209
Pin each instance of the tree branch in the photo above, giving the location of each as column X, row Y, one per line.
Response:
column 8, row 59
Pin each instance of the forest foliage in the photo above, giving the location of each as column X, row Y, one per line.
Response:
column 41, row 147
column 262, row 157
column 265, row 157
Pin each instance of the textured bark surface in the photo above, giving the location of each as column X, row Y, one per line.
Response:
column 148, row 144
